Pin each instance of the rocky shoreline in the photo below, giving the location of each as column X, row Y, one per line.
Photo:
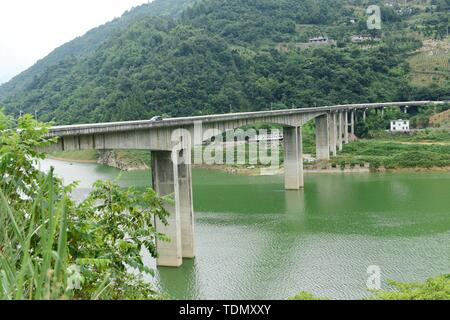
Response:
column 112, row 159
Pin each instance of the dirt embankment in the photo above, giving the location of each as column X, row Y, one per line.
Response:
column 440, row 119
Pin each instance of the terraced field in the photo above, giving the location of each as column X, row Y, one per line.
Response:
column 431, row 63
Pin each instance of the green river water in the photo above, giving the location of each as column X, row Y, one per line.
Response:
column 257, row 241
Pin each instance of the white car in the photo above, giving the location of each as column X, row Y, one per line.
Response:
column 156, row 118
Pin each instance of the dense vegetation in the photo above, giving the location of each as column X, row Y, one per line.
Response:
column 221, row 55
column 52, row 247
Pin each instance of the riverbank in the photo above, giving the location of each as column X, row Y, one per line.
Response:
column 424, row 151
column 125, row 160
column 86, row 156
column 70, row 160
column 266, row 171
column 326, row 168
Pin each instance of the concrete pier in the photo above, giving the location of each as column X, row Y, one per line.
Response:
column 322, row 138
column 293, row 158
column 340, row 143
column 346, row 127
column 170, row 178
column 332, row 124
column 186, row 210
column 165, row 182
column 352, row 122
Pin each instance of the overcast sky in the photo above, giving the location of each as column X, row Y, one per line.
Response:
column 31, row 29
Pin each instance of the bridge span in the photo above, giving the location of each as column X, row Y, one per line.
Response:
column 334, row 125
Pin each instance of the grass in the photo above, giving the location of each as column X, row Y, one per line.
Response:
column 393, row 155
column 84, row 155
column 424, row 136
column 33, row 260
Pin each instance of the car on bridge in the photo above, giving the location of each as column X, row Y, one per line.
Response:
column 156, row 119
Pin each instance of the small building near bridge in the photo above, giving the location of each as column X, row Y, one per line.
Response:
column 267, row 137
column 400, row 125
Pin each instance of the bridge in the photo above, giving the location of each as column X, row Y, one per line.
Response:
column 171, row 163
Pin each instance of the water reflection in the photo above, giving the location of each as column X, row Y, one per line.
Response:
column 185, row 278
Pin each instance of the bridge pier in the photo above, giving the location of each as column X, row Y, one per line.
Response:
column 170, row 178
column 340, row 132
column 346, row 127
column 293, row 158
column 333, row 134
column 352, row 122
column 186, row 211
column 322, row 138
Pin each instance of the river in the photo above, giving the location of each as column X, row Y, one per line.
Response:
column 257, row 241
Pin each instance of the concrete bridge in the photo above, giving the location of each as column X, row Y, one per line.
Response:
column 334, row 124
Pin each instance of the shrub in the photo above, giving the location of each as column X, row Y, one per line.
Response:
column 306, row 296
column 433, row 289
column 53, row 248
column 437, row 288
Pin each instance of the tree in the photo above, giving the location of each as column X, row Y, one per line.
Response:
column 52, row 247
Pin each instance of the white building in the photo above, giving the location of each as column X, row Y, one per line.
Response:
column 267, row 137
column 361, row 38
column 319, row 40
column 400, row 125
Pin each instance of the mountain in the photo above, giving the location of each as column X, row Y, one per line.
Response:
column 93, row 39
column 241, row 54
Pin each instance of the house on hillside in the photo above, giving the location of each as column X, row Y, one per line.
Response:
column 361, row 38
column 321, row 40
column 400, row 125
column 313, row 42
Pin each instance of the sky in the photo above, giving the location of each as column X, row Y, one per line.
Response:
column 31, row 29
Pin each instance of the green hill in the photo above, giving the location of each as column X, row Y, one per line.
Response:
column 218, row 54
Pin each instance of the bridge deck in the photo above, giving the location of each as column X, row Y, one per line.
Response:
column 95, row 128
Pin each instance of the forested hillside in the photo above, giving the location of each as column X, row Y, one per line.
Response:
column 226, row 54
